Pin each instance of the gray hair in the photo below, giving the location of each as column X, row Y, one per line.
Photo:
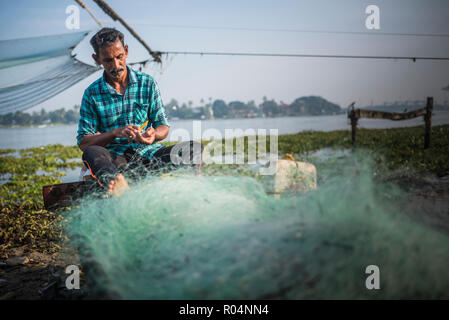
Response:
column 106, row 37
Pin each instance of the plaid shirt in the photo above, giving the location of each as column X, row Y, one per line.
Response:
column 103, row 109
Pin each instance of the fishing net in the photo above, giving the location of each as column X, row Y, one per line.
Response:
column 223, row 237
column 21, row 51
column 35, row 69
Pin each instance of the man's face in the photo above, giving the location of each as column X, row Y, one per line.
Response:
column 113, row 58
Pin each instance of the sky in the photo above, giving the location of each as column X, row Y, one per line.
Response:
column 201, row 25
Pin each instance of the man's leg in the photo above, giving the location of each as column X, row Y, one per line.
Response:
column 104, row 167
column 187, row 154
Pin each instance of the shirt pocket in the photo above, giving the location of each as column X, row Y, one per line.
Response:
column 140, row 112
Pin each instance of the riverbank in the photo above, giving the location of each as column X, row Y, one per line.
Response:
column 40, row 126
column 33, row 248
column 21, row 138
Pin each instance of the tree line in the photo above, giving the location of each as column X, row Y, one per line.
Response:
column 60, row 116
column 213, row 109
column 219, row 109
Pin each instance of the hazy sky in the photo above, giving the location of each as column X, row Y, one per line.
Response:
column 250, row 78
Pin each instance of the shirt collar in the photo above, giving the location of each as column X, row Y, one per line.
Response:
column 105, row 87
column 132, row 76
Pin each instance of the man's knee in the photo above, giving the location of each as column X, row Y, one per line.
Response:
column 187, row 152
column 100, row 163
column 92, row 152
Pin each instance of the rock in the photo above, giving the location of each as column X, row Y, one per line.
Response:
column 291, row 176
column 15, row 261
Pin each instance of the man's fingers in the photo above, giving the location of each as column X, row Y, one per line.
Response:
column 129, row 135
column 143, row 139
column 148, row 132
column 133, row 127
column 136, row 131
column 133, row 132
column 140, row 138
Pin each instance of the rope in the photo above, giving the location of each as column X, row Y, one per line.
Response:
column 293, row 55
column 442, row 35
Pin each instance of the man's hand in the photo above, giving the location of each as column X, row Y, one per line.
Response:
column 147, row 138
column 130, row 132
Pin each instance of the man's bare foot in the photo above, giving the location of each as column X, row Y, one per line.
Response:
column 118, row 185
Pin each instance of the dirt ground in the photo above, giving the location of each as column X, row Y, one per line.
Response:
column 36, row 275
column 427, row 199
column 30, row 275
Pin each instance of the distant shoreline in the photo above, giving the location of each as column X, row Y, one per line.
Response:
column 170, row 120
column 36, row 125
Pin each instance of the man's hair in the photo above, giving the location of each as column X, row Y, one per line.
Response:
column 106, row 37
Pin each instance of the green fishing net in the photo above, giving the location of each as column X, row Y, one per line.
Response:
column 223, row 237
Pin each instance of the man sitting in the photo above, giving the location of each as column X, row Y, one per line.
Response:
column 113, row 109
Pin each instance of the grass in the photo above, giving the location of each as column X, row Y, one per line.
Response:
column 395, row 148
column 23, row 221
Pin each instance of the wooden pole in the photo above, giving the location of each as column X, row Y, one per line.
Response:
column 428, row 121
column 108, row 10
column 354, row 118
column 90, row 12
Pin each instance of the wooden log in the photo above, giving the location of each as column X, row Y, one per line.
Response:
column 62, row 195
column 428, row 122
column 373, row 114
column 355, row 114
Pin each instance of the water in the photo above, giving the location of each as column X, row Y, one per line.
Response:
column 19, row 138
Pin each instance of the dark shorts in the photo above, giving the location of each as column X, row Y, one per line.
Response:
column 105, row 165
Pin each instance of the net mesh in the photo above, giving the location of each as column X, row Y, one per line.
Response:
column 223, row 237
column 35, row 69
column 21, row 51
